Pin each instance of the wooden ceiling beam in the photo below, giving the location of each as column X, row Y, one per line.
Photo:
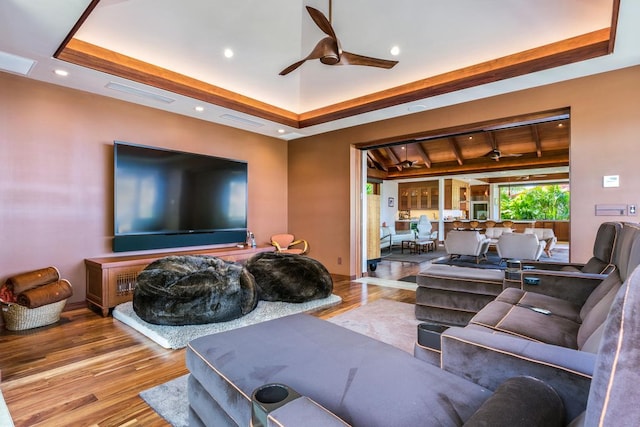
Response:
column 375, row 156
column 536, row 139
column 456, row 150
column 423, row 155
column 492, row 140
column 479, row 166
column 393, row 157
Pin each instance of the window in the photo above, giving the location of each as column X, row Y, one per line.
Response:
column 526, row 202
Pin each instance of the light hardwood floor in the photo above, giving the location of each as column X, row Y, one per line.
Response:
column 88, row 370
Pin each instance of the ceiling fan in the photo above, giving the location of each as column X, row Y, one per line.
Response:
column 496, row 155
column 329, row 51
column 406, row 163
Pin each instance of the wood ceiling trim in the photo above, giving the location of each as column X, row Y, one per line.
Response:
column 580, row 48
column 95, row 57
column 564, row 52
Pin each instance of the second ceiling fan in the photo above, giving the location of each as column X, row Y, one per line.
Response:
column 329, row 51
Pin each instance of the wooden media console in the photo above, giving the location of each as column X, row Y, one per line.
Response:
column 111, row 280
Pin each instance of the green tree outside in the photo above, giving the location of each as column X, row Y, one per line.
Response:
column 550, row 202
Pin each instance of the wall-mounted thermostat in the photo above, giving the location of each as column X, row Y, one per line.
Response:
column 611, row 181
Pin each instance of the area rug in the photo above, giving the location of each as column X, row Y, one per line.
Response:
column 387, row 283
column 388, row 321
column 170, row 401
column 397, row 255
column 175, row 337
column 493, row 260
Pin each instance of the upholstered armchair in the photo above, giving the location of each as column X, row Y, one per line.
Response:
column 519, row 246
column 284, row 243
column 494, row 233
column 423, row 228
column 546, row 235
column 471, row 243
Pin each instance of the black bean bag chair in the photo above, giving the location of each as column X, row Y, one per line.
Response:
column 193, row 289
column 289, row 277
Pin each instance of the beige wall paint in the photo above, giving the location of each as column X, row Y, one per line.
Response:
column 56, row 178
column 56, row 186
column 604, row 111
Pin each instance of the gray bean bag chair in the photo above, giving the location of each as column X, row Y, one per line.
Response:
column 190, row 290
column 289, row 277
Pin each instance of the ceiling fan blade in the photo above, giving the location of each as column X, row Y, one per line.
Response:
column 327, row 48
column 348, row 58
column 322, row 22
column 292, row 67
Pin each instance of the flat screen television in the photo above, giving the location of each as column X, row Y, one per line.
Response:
column 165, row 199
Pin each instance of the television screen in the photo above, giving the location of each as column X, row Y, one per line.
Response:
column 173, row 194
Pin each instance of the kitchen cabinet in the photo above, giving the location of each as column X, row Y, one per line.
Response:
column 418, row 195
column 456, row 195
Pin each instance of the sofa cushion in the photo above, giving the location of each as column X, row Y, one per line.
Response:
column 611, row 281
column 454, row 278
column 520, row 401
column 558, row 307
column 596, row 316
column 527, row 323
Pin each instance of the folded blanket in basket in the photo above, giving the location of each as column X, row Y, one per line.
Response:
column 46, row 294
column 22, row 282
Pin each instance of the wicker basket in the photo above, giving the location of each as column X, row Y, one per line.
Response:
column 19, row 318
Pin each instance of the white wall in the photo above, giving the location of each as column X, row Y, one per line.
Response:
column 388, row 214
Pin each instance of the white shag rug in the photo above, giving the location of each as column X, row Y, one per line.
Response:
column 175, row 337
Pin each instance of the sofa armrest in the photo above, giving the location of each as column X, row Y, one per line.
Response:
column 303, row 411
column 567, row 285
column 488, row 359
column 552, row 265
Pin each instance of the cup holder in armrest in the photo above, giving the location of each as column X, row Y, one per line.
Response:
column 429, row 335
column 268, row 398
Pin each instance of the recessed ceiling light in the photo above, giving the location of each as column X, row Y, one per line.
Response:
column 395, row 50
column 281, row 131
column 199, row 108
column 61, row 73
column 228, row 53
